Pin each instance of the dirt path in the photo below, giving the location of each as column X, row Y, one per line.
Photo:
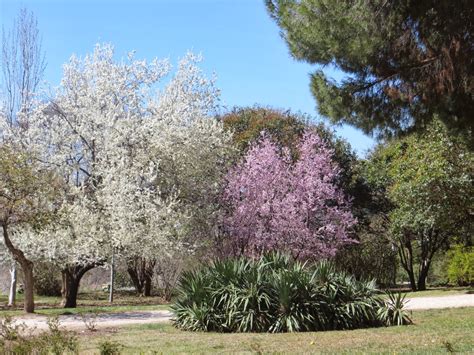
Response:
column 110, row 320
column 453, row 301
column 103, row 320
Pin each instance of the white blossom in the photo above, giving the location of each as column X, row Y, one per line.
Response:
column 141, row 165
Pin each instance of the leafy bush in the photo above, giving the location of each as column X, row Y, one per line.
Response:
column 461, row 265
column 393, row 313
column 373, row 257
column 275, row 294
column 47, row 281
column 438, row 276
column 110, row 348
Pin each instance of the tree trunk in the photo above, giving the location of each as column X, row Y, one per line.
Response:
column 28, row 282
column 12, row 294
column 432, row 242
column 411, row 277
column 147, row 290
column 132, row 271
column 27, row 269
column 424, row 268
column 421, row 282
column 141, row 273
column 69, row 289
column 71, row 279
column 112, row 279
column 405, row 251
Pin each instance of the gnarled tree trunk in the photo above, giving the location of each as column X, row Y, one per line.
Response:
column 141, row 273
column 71, row 279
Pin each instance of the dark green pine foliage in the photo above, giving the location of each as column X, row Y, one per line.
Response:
column 405, row 60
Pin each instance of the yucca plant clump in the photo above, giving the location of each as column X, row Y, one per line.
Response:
column 276, row 294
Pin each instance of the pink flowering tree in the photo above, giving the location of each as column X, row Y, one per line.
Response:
column 277, row 204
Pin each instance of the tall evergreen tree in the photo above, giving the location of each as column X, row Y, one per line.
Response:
column 405, row 60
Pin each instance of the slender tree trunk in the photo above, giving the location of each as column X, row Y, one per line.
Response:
column 71, row 279
column 27, row 269
column 405, row 252
column 112, row 279
column 12, row 294
column 141, row 273
column 411, row 277
column 433, row 241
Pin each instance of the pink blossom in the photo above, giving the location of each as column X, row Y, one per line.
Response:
column 277, row 204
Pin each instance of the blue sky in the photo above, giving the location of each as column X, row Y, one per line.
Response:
column 238, row 40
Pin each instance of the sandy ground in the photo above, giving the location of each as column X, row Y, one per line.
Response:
column 111, row 320
column 99, row 321
column 440, row 302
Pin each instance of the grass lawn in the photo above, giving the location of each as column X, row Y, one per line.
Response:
column 434, row 331
column 88, row 302
column 441, row 291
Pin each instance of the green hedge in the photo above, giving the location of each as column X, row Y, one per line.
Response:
column 275, row 294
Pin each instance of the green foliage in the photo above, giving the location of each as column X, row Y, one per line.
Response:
column 405, row 61
column 15, row 339
column 275, row 294
column 461, row 265
column 26, row 190
column 373, row 257
column 393, row 313
column 47, row 279
column 9, row 331
column 247, row 124
column 286, row 128
column 110, row 348
column 438, row 276
column 425, row 183
column 429, row 180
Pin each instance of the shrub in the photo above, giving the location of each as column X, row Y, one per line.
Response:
column 110, row 348
column 393, row 313
column 18, row 339
column 373, row 257
column 461, row 265
column 168, row 270
column 47, row 282
column 276, row 294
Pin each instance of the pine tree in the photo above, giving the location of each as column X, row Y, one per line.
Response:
column 406, row 61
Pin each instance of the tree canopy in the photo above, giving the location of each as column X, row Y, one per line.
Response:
column 427, row 179
column 277, row 204
column 404, row 61
column 27, row 202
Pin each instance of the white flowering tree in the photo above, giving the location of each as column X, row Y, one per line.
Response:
column 141, row 161
column 168, row 169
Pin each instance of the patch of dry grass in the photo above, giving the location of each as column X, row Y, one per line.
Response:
column 441, row 291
